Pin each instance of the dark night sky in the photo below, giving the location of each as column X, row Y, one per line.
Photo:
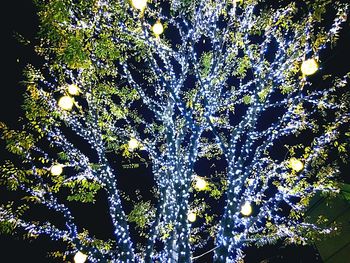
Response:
column 20, row 17
column 17, row 16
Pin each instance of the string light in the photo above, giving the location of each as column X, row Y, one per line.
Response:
column 80, row 257
column 296, row 164
column 139, row 4
column 158, row 28
column 239, row 170
column 309, row 67
column 56, row 169
column 246, row 209
column 66, row 102
column 192, row 217
column 73, row 89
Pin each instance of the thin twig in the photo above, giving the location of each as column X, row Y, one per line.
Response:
column 194, row 258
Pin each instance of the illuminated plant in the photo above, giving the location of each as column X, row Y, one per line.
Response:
column 188, row 82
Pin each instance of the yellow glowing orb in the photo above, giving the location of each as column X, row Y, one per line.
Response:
column 73, row 89
column 296, row 164
column 246, row 209
column 191, row 217
column 201, row 184
column 158, row 28
column 66, row 103
column 80, row 257
column 139, row 4
column 56, row 169
column 133, row 144
column 309, row 67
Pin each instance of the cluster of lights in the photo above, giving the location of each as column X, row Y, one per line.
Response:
column 157, row 28
column 308, row 67
column 67, row 102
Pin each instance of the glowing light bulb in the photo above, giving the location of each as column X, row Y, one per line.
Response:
column 80, row 257
column 133, row 144
column 56, row 169
column 158, row 28
column 201, row 184
column 296, row 164
column 139, row 4
column 246, row 209
column 66, row 103
column 73, row 89
column 309, row 67
column 192, row 217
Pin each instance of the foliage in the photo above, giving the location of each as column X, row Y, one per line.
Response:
column 216, row 96
column 141, row 214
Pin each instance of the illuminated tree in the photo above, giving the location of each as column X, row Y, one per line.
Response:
column 185, row 81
